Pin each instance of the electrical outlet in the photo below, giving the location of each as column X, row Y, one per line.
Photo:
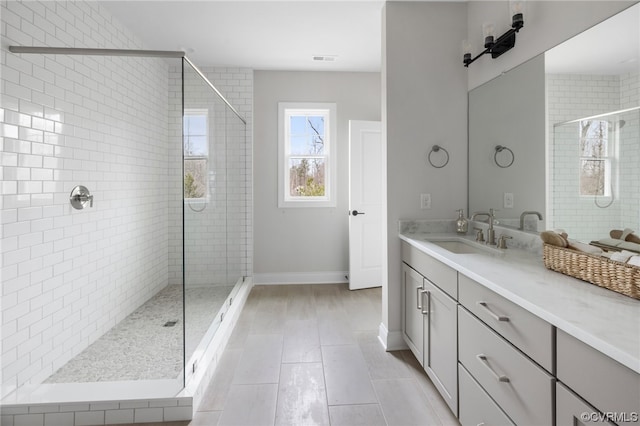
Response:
column 425, row 201
column 508, row 200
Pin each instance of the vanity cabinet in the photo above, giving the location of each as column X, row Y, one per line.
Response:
column 571, row 410
column 429, row 290
column 476, row 407
column 412, row 318
column 604, row 383
column 529, row 333
column 522, row 389
column 496, row 363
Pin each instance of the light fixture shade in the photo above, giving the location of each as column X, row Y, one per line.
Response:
column 516, row 7
column 488, row 31
column 466, row 47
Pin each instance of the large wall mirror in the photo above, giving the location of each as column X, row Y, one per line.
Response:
column 570, row 119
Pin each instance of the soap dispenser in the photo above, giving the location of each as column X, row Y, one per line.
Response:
column 462, row 224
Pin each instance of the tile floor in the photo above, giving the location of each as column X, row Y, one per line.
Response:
column 309, row 354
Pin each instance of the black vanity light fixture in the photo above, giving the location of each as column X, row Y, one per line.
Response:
column 505, row 42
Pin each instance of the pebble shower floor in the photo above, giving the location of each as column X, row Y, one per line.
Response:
column 141, row 347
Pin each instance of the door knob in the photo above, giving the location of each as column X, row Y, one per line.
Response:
column 356, row 212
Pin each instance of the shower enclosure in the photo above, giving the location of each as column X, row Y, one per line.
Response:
column 595, row 174
column 118, row 296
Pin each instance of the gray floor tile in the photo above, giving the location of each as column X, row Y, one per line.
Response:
column 301, row 341
column 205, row 418
column 215, row 395
column 335, row 330
column 346, row 376
column 403, row 403
column 253, row 405
column 260, row 360
column 300, row 302
column 382, row 364
column 271, row 311
column 302, row 398
column 356, row 415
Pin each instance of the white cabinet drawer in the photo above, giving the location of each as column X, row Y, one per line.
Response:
column 435, row 271
column 520, row 387
column 524, row 330
column 605, row 383
column 476, row 407
column 571, row 410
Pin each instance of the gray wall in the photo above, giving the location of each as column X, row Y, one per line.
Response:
column 304, row 244
column 425, row 104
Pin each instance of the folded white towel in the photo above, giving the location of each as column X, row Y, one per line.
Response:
column 610, row 242
column 623, row 256
column 634, row 260
column 634, row 247
column 587, row 248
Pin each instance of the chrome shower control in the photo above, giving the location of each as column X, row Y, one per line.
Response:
column 79, row 197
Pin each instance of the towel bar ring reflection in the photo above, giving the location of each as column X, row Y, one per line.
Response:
column 500, row 148
column 437, row 148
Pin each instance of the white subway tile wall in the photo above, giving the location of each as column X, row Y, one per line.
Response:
column 570, row 97
column 114, row 412
column 69, row 275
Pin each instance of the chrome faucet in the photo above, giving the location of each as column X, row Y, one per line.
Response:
column 491, row 235
column 524, row 214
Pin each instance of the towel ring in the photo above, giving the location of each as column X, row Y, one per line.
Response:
column 500, row 148
column 437, row 148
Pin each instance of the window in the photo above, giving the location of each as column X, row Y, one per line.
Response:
column 196, row 153
column 307, row 171
column 595, row 160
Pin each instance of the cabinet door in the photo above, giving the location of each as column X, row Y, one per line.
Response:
column 412, row 286
column 441, row 342
column 571, row 410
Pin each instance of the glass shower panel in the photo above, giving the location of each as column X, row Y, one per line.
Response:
column 236, row 199
column 205, row 209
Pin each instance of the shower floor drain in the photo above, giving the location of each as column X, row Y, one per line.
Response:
column 170, row 323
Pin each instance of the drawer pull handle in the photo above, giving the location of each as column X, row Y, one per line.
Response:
column 483, row 359
column 418, row 298
column 494, row 316
column 428, row 304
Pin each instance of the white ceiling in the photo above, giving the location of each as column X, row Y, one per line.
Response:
column 611, row 47
column 285, row 35
column 282, row 35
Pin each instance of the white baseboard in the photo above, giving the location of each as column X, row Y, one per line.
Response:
column 330, row 277
column 391, row 340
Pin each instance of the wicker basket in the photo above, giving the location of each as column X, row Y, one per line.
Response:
column 617, row 276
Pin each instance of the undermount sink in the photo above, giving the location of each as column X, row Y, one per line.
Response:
column 465, row 247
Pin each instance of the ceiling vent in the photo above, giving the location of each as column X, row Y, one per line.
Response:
column 325, row 58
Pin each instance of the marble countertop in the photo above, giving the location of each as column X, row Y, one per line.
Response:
column 603, row 319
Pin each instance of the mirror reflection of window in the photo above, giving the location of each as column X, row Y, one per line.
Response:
column 595, row 161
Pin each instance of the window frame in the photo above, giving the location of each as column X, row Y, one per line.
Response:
column 198, row 112
column 328, row 111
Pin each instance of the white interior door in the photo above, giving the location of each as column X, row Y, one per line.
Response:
column 366, row 164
